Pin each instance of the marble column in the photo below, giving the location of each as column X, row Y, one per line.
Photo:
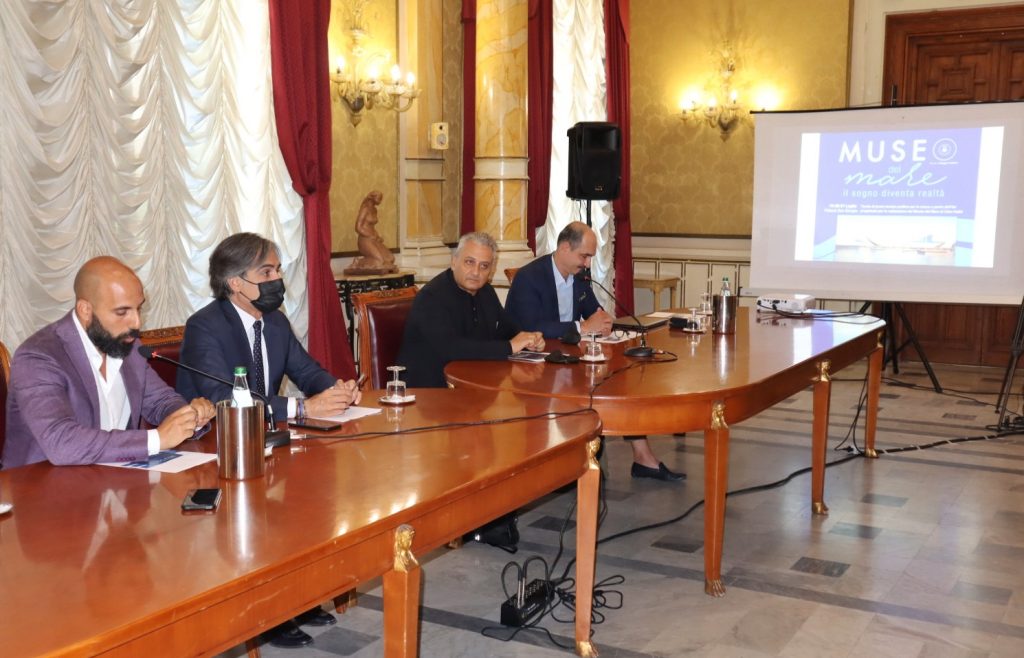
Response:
column 501, row 128
column 421, row 35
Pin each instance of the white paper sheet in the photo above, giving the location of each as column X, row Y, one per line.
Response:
column 352, row 413
column 167, row 461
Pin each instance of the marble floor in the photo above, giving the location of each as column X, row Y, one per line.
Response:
column 920, row 555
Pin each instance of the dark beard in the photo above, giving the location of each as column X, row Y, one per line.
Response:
column 113, row 346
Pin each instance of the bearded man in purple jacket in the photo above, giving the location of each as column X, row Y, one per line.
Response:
column 80, row 390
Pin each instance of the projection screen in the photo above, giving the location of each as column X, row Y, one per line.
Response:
column 891, row 204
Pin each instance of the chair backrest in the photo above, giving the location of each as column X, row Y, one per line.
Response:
column 380, row 319
column 5, row 382
column 165, row 341
column 510, row 273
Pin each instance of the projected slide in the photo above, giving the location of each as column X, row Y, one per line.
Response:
column 906, row 197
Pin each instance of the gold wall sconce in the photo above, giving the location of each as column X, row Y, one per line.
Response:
column 721, row 107
column 357, row 78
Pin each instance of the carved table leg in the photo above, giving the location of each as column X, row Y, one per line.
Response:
column 402, row 598
column 716, row 479
column 586, row 547
column 874, row 387
column 819, row 436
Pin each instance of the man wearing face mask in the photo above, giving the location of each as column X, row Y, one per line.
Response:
column 243, row 327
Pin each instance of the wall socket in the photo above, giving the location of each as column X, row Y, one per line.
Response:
column 439, row 136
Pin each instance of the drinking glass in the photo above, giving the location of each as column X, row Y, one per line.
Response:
column 705, row 303
column 396, row 387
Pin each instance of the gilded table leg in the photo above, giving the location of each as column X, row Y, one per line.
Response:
column 402, row 598
column 819, row 436
column 586, row 547
column 874, row 387
column 716, row 478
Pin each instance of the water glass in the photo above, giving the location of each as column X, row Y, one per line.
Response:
column 396, row 389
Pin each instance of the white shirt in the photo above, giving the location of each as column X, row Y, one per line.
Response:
column 563, row 290
column 115, row 410
column 248, row 322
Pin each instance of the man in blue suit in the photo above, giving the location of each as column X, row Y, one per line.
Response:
column 243, row 327
column 245, row 277
column 548, row 296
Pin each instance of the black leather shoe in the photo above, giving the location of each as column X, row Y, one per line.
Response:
column 288, row 636
column 315, row 617
column 660, row 473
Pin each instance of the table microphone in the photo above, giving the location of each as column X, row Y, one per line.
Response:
column 642, row 350
column 273, row 437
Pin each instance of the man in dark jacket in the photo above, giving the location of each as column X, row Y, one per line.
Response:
column 457, row 316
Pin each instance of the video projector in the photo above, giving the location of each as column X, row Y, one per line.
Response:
column 796, row 303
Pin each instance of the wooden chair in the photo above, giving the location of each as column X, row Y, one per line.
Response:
column 165, row 341
column 5, row 382
column 510, row 273
column 380, row 320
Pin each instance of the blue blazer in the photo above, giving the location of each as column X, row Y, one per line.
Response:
column 533, row 303
column 215, row 342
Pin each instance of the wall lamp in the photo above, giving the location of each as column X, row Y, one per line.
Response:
column 357, row 79
column 721, row 107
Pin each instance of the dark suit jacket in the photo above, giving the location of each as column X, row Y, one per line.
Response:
column 533, row 303
column 53, row 406
column 215, row 342
column 446, row 324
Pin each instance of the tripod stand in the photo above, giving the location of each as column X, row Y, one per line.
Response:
column 1016, row 347
column 892, row 350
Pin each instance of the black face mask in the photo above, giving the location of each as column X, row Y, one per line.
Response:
column 271, row 295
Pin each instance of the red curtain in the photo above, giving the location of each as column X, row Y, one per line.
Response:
column 540, row 83
column 302, row 103
column 616, row 34
column 468, row 222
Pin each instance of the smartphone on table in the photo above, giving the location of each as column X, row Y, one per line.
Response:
column 201, row 499
column 315, row 424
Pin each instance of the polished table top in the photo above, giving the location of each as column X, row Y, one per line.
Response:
column 90, row 551
column 706, row 382
column 644, row 396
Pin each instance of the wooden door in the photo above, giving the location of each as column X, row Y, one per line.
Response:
column 957, row 56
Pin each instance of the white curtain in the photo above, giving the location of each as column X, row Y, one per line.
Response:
column 578, row 94
column 142, row 129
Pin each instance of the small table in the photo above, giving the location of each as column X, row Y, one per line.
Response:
column 348, row 284
column 656, row 285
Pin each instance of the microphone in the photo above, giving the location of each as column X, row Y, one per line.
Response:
column 273, row 437
column 642, row 350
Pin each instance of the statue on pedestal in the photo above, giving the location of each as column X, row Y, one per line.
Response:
column 375, row 257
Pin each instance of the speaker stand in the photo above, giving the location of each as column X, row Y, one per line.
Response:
column 1016, row 348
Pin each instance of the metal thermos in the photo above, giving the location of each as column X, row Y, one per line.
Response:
column 723, row 314
column 240, row 436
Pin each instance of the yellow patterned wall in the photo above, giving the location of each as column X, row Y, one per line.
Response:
column 365, row 156
column 685, row 178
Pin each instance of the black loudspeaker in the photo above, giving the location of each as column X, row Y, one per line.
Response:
column 595, row 161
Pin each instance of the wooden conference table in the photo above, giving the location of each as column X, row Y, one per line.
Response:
column 101, row 560
column 717, row 380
